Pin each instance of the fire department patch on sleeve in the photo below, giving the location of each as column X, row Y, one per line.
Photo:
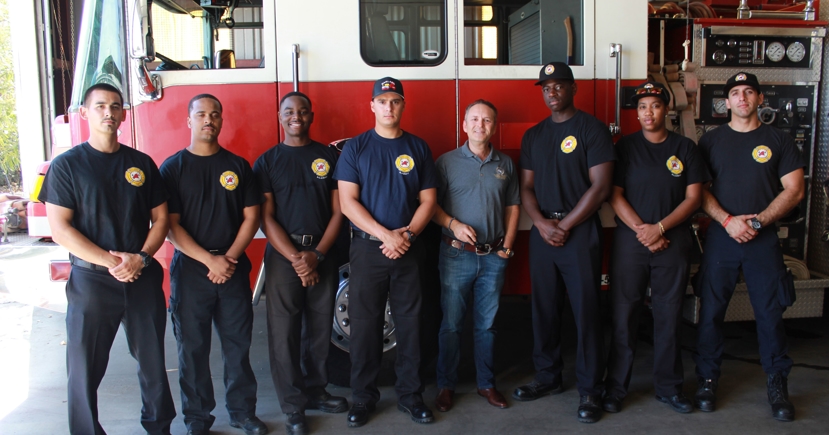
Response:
column 404, row 163
column 675, row 166
column 229, row 180
column 569, row 144
column 135, row 176
column 320, row 167
column 761, row 154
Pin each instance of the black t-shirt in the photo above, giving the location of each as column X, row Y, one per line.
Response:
column 561, row 155
column 747, row 167
column 301, row 182
column 210, row 193
column 111, row 194
column 655, row 175
column 390, row 172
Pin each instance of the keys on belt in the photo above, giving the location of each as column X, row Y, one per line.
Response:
column 559, row 215
column 477, row 248
column 305, row 239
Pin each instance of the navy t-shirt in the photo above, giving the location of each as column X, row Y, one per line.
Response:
column 301, row 181
column 746, row 167
column 561, row 155
column 656, row 175
column 390, row 173
column 210, row 193
column 111, row 194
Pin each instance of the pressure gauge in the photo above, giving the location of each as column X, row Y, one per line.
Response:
column 720, row 109
column 796, row 52
column 775, row 52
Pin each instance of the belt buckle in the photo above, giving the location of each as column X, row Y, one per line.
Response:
column 483, row 249
column 213, row 251
column 307, row 240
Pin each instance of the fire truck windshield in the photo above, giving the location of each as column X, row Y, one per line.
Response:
column 101, row 56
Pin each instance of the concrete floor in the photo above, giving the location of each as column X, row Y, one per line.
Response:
column 33, row 385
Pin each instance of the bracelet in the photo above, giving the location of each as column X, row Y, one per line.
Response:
column 449, row 227
column 661, row 229
column 726, row 221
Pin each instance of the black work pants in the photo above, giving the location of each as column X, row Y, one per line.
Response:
column 288, row 301
column 374, row 280
column 633, row 266
column 762, row 263
column 574, row 269
column 197, row 304
column 97, row 304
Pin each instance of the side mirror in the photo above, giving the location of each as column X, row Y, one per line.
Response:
column 149, row 85
column 141, row 30
column 224, row 59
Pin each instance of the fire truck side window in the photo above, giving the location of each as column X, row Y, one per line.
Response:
column 197, row 38
column 521, row 32
column 403, row 32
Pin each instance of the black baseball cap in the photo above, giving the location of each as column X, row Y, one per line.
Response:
column 742, row 78
column 554, row 70
column 651, row 89
column 387, row 84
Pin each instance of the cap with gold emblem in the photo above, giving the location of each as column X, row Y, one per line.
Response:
column 554, row 70
column 742, row 78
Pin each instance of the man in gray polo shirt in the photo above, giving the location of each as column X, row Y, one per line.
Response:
column 478, row 209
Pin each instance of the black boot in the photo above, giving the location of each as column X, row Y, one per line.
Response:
column 705, row 400
column 781, row 408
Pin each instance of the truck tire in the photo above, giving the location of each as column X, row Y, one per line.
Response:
column 339, row 363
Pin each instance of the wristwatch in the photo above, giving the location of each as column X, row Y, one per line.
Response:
column 145, row 258
column 412, row 236
column 755, row 223
column 320, row 256
column 508, row 251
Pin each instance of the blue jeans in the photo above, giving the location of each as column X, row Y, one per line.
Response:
column 465, row 275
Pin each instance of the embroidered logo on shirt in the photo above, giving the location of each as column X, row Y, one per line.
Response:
column 761, row 154
column 569, row 144
column 675, row 166
column 229, row 180
column 135, row 176
column 404, row 163
column 320, row 167
column 500, row 173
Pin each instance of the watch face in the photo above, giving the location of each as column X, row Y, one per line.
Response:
column 756, row 224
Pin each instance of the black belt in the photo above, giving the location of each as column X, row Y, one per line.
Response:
column 305, row 239
column 75, row 261
column 554, row 214
column 478, row 248
column 363, row 235
column 217, row 251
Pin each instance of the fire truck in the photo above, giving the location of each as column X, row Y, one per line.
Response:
column 448, row 53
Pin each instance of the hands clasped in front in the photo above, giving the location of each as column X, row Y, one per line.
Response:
column 220, row 268
column 395, row 243
column 128, row 268
column 552, row 233
column 651, row 237
column 739, row 229
column 305, row 264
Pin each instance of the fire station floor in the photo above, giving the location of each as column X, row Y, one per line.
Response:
column 33, row 384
